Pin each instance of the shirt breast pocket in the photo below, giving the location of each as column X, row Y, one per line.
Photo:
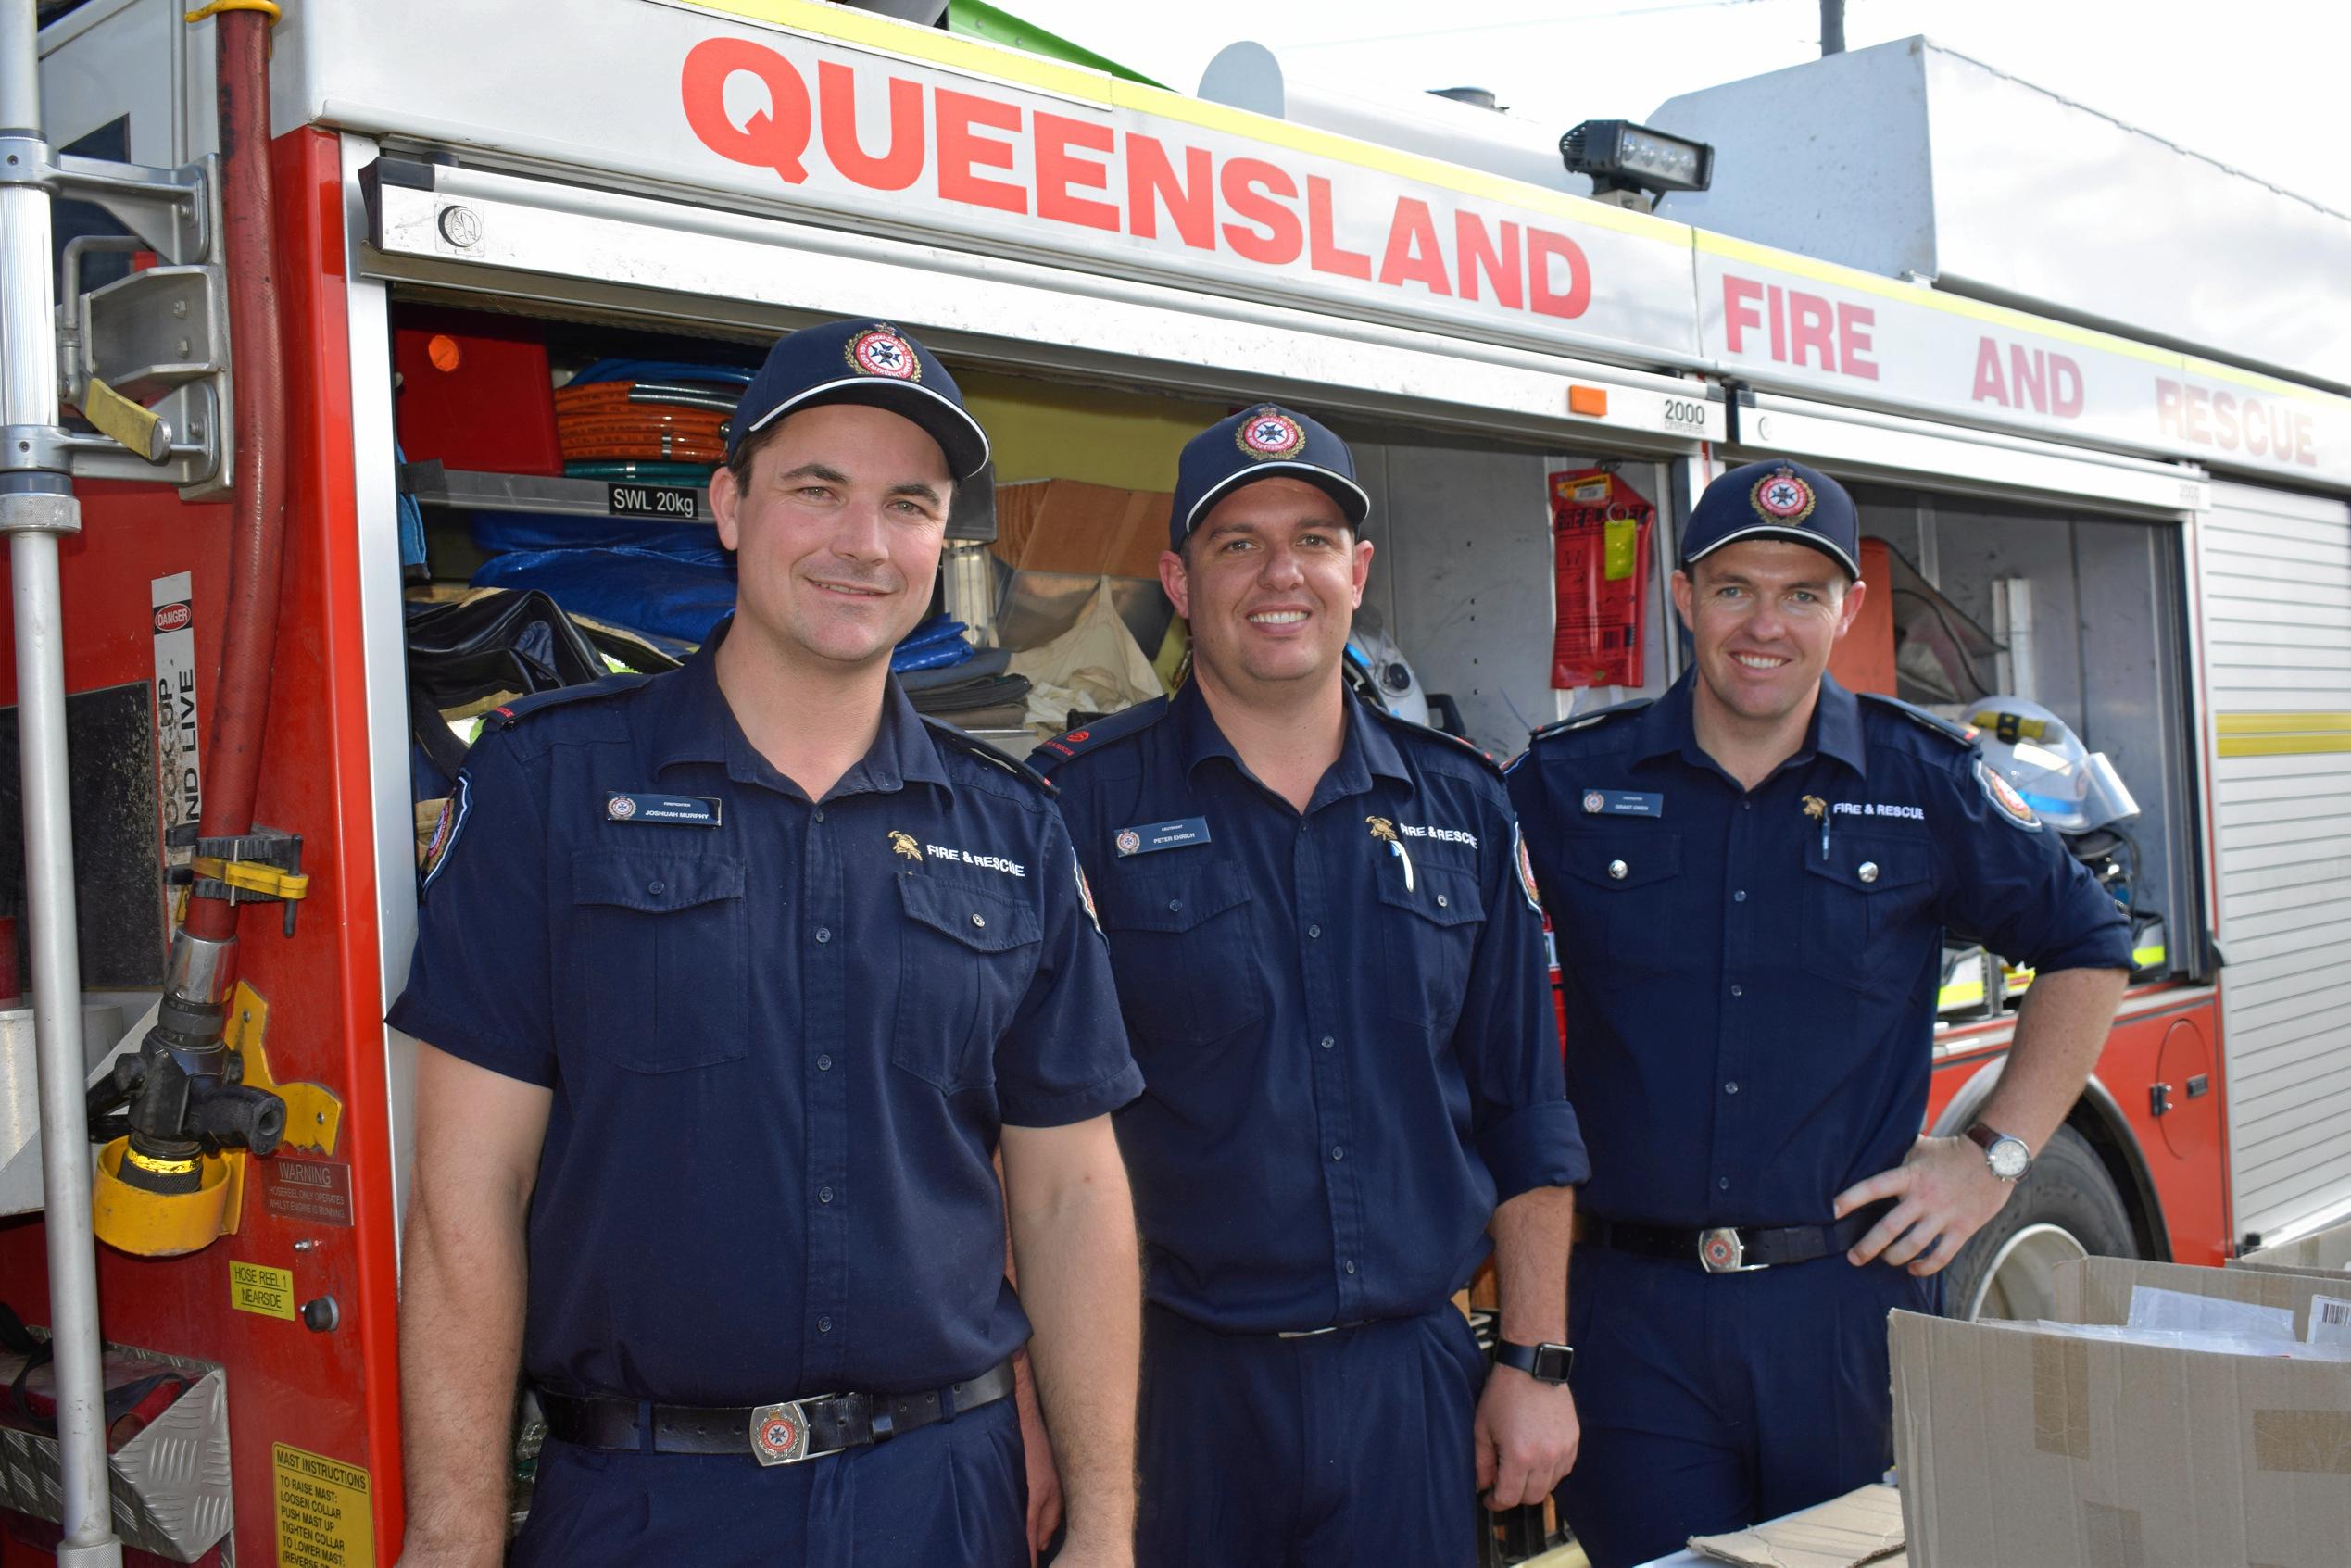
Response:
column 1428, row 937
column 1184, row 952
column 1619, row 927
column 1868, row 892
column 966, row 961
column 658, row 949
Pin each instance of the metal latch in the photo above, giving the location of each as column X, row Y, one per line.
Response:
column 260, row 867
column 146, row 358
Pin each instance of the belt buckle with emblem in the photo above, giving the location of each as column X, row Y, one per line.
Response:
column 779, row 1433
column 1721, row 1251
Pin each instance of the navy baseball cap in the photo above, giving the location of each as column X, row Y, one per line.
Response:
column 871, row 363
column 1776, row 499
column 1265, row 442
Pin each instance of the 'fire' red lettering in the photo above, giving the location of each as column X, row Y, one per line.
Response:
column 1058, row 169
column 1250, row 186
column 1810, row 329
column 1414, row 256
column 1543, row 248
column 962, row 117
column 1190, row 201
column 1477, row 254
column 771, row 139
column 897, row 168
column 1855, row 323
column 1740, row 315
column 1324, row 252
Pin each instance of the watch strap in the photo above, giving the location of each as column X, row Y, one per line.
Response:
column 1545, row 1364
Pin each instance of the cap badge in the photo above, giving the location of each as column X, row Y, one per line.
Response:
column 878, row 351
column 1270, row 434
column 1782, row 497
column 904, row 844
column 1816, row 808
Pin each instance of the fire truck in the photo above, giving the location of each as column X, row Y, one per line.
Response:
column 284, row 299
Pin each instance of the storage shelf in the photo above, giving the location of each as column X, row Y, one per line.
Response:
column 435, row 484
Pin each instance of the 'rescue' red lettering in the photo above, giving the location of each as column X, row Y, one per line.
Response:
column 2037, row 379
column 1806, row 330
column 844, row 123
column 2226, row 422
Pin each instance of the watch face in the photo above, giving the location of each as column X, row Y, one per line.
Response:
column 2010, row 1159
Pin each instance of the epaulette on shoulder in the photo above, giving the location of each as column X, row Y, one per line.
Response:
column 522, row 707
column 1094, row 736
column 1586, row 721
column 971, row 745
column 1468, row 748
column 1956, row 733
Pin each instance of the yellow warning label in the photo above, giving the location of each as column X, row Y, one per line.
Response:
column 256, row 1289
column 324, row 1517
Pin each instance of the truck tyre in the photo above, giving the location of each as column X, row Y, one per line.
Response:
column 2066, row 1208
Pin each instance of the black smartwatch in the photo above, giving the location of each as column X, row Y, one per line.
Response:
column 1544, row 1363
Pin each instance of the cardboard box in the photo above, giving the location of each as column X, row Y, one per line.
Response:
column 1863, row 1526
column 1066, row 525
column 2025, row 1448
column 2322, row 1255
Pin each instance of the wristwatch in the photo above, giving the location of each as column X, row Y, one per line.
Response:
column 2008, row 1158
column 1544, row 1363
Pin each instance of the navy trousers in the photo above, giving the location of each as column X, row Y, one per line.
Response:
column 947, row 1496
column 1713, row 1401
column 1345, row 1449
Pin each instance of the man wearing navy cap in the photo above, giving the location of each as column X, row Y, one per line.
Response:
column 1748, row 879
column 728, row 984
column 1331, row 968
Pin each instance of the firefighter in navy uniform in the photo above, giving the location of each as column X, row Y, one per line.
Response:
column 1331, row 968
column 731, row 981
column 1748, row 879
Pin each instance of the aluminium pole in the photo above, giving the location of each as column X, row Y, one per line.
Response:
column 36, row 506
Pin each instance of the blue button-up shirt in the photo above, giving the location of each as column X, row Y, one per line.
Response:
column 1750, row 975
column 1343, row 1018
column 781, row 1043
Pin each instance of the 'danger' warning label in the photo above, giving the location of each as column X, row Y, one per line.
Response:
column 324, row 1517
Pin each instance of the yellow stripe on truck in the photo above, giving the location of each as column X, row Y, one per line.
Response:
column 2283, row 734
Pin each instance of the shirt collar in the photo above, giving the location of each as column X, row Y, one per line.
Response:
column 1365, row 749
column 1670, row 725
column 694, row 723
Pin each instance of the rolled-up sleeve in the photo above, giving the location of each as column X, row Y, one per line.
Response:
column 1507, row 1039
column 1065, row 1057
column 2019, row 892
column 479, row 980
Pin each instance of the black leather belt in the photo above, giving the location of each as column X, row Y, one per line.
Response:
column 1728, row 1250
column 784, row 1433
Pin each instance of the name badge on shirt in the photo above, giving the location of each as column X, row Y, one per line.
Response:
column 1623, row 803
column 1145, row 837
column 673, row 810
